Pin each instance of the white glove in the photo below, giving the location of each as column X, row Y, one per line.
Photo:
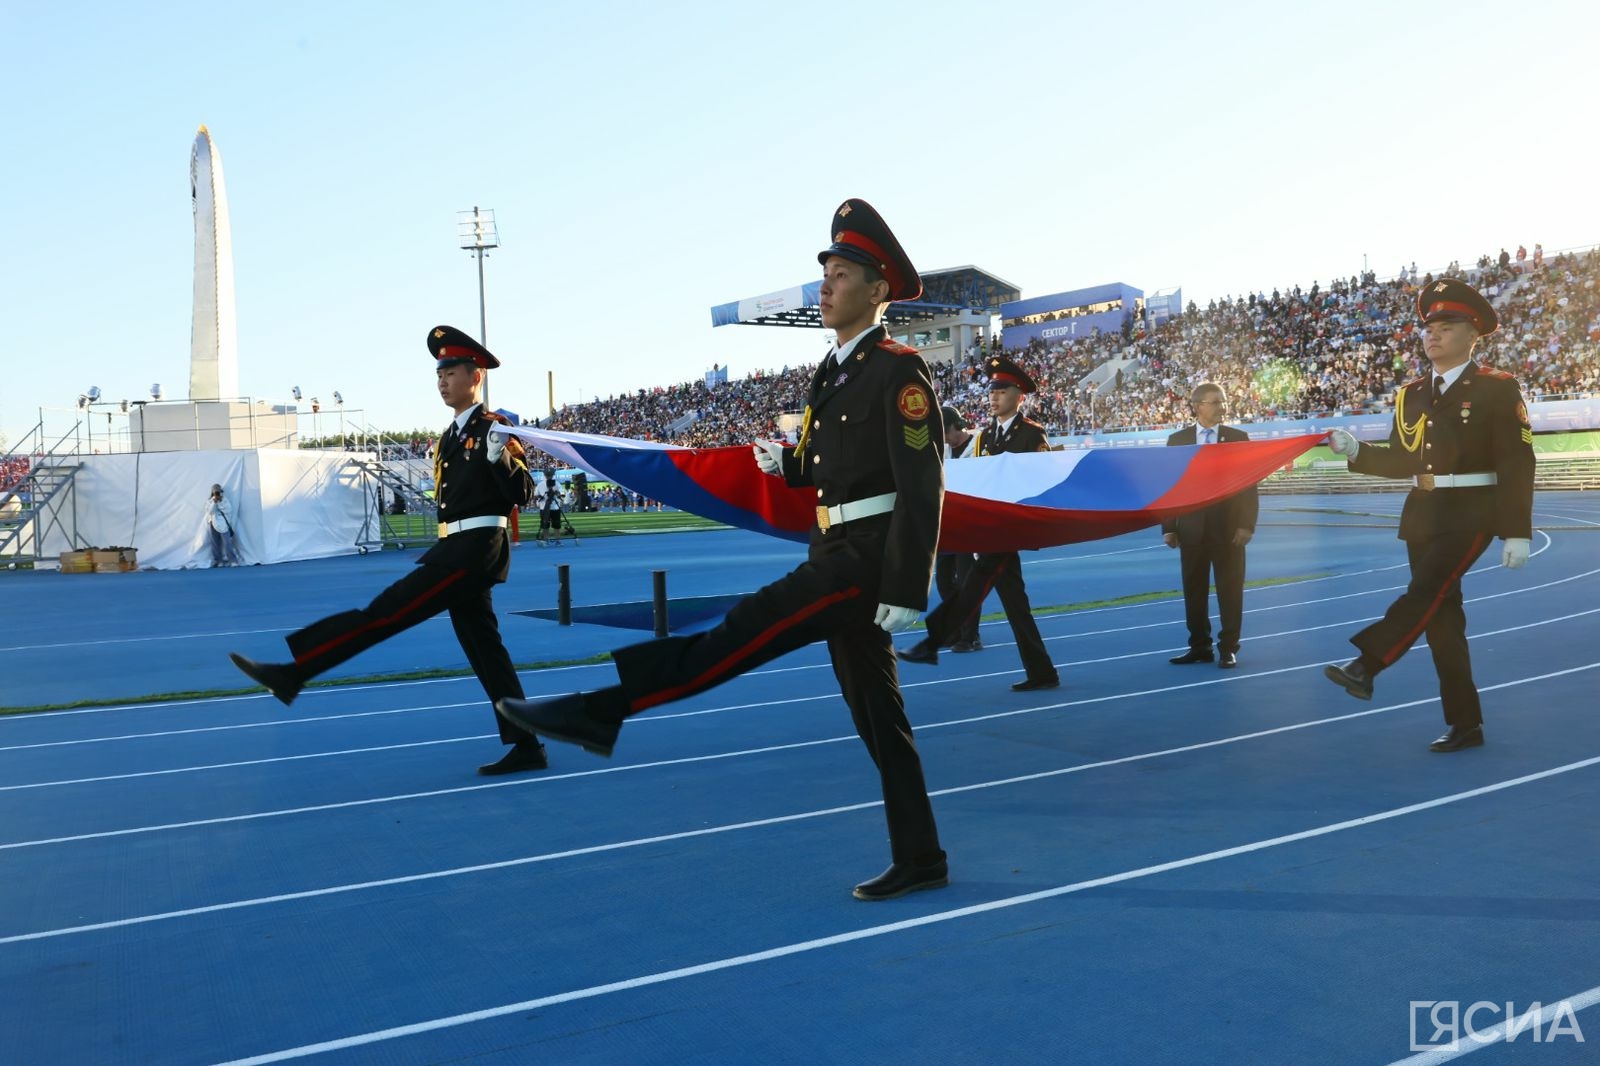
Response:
column 1515, row 553
column 895, row 619
column 769, row 456
column 1343, row 443
column 496, row 444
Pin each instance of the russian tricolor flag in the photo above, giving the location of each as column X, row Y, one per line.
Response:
column 992, row 503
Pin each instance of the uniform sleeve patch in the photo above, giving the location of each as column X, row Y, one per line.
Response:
column 914, row 403
column 1527, row 436
column 916, row 439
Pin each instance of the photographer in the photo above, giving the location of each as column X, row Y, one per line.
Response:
column 219, row 524
column 550, row 519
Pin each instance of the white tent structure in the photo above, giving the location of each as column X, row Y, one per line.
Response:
column 286, row 505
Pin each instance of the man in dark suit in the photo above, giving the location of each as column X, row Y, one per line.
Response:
column 1008, row 431
column 480, row 476
column 950, row 570
column 869, row 446
column 1461, row 434
column 1211, row 541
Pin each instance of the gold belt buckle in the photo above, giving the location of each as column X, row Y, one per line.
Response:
column 444, row 530
column 1425, row 482
column 822, row 519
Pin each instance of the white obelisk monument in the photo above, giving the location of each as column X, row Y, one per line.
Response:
column 214, row 342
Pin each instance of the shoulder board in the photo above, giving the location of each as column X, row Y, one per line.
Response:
column 493, row 416
column 1426, row 382
column 1036, row 425
column 896, row 348
column 1491, row 372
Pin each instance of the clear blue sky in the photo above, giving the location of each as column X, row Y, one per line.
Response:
column 647, row 161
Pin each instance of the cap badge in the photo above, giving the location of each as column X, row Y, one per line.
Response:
column 845, row 210
column 1441, row 287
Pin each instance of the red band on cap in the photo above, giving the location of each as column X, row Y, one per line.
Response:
column 1006, row 379
column 891, row 269
column 1450, row 306
column 452, row 352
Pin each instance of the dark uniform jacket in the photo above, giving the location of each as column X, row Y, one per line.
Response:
column 1215, row 524
column 1025, row 435
column 1480, row 424
column 467, row 485
column 873, row 427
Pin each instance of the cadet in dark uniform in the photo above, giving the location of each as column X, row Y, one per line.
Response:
column 1211, row 541
column 951, row 568
column 481, row 476
column 1462, row 436
column 870, row 447
column 1008, row 431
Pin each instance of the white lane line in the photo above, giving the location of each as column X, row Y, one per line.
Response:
column 1528, row 1022
column 1234, row 678
column 269, row 724
column 667, row 716
column 1077, row 768
column 212, row 701
column 380, row 686
column 133, row 775
column 939, row 917
column 141, row 640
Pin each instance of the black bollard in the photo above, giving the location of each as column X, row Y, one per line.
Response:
column 659, row 580
column 563, row 595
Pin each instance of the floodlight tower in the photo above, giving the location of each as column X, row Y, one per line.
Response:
column 477, row 234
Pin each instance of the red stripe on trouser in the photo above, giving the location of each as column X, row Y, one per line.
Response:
column 988, row 587
column 323, row 649
column 728, row 662
column 1394, row 653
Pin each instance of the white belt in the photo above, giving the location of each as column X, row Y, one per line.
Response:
column 828, row 517
column 1457, row 481
column 483, row 522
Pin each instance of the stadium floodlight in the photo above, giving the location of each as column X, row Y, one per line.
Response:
column 338, row 397
column 155, row 391
column 295, row 392
column 477, row 234
column 83, row 400
column 94, row 394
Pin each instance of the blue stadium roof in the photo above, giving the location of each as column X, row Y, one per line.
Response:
column 944, row 293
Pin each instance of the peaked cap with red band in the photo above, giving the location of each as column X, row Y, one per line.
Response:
column 860, row 235
column 1003, row 372
column 451, row 347
column 1453, row 300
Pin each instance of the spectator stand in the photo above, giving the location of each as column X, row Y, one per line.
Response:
column 36, row 486
column 1283, row 354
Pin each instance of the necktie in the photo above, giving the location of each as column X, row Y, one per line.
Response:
column 1208, row 436
column 1438, row 388
column 449, row 437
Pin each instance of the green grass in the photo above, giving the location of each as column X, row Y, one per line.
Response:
column 414, row 529
column 547, row 664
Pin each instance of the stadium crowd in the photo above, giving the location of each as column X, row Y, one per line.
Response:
column 13, row 469
column 1338, row 349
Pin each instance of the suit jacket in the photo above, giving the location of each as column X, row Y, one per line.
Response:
column 1215, row 525
column 872, row 426
column 1480, row 424
column 467, row 485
